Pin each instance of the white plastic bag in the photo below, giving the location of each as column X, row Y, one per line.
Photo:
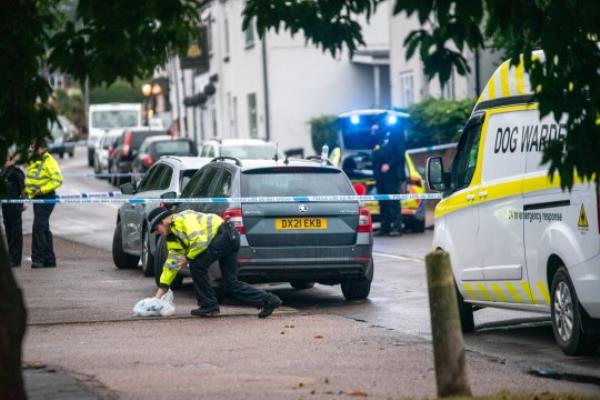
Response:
column 152, row 306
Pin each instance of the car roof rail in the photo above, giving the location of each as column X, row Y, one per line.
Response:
column 319, row 159
column 237, row 161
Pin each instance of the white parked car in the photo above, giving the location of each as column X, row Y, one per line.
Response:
column 244, row 149
column 516, row 239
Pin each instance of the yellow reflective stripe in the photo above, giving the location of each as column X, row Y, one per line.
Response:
column 492, row 88
column 498, row 292
column 470, row 292
column 513, row 292
column 527, row 290
column 543, row 291
column 520, row 72
column 504, row 82
column 484, row 292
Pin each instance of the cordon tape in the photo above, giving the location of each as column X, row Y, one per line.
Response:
column 103, row 198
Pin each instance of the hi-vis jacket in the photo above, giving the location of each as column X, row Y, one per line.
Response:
column 43, row 174
column 191, row 233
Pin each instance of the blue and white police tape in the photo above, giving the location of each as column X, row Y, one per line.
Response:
column 85, row 195
column 262, row 199
column 103, row 174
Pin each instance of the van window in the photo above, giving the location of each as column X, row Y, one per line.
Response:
column 465, row 159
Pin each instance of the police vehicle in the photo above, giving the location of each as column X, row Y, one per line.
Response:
column 515, row 239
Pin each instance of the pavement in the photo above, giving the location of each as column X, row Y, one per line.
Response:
column 318, row 346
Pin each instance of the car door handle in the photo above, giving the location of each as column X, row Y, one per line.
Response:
column 470, row 197
column 483, row 194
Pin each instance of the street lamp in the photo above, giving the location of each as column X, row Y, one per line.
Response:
column 146, row 91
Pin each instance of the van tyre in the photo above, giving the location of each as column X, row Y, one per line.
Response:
column 301, row 285
column 465, row 312
column 147, row 256
column 160, row 257
column 121, row 259
column 358, row 289
column 566, row 312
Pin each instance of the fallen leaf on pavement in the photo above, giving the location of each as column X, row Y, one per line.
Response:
column 357, row 393
column 319, row 337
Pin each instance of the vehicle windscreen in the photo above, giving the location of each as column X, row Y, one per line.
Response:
column 140, row 136
column 115, row 119
column 250, row 152
column 301, row 182
column 173, row 147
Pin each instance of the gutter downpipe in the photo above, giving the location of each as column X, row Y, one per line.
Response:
column 266, row 87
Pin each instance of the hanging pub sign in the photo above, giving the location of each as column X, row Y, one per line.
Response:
column 196, row 56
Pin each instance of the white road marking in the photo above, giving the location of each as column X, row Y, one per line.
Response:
column 397, row 257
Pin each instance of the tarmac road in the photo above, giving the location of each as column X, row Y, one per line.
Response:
column 398, row 301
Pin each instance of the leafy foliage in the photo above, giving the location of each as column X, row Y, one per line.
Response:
column 566, row 80
column 71, row 106
column 437, row 121
column 120, row 92
column 323, row 130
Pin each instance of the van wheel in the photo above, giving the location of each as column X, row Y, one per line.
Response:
column 147, row 256
column 566, row 314
column 358, row 289
column 121, row 259
column 301, row 285
column 159, row 261
column 465, row 311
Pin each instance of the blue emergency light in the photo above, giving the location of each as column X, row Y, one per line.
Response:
column 355, row 119
column 392, row 119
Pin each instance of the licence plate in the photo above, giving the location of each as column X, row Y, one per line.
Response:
column 300, row 223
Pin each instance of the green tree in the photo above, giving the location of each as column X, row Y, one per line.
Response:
column 99, row 40
column 71, row 106
column 437, row 121
column 566, row 81
column 323, row 131
column 120, row 91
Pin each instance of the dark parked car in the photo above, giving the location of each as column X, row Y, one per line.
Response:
column 125, row 150
column 300, row 243
column 153, row 148
column 64, row 137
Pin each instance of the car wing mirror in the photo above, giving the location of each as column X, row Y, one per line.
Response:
column 169, row 195
column 437, row 179
column 127, row 188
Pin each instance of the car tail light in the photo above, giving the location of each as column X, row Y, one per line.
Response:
column 365, row 223
column 234, row 215
column 414, row 180
column 147, row 160
column 127, row 144
column 360, row 189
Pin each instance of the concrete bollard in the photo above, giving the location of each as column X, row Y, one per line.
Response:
column 448, row 346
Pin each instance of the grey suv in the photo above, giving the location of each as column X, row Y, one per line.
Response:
column 300, row 243
column 131, row 240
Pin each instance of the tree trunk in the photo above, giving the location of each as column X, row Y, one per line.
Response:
column 13, row 317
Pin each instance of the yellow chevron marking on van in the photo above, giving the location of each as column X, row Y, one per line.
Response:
column 543, row 291
column 470, row 292
column 492, row 88
column 527, row 290
column 519, row 72
column 499, row 293
column 504, row 79
column 484, row 292
column 513, row 292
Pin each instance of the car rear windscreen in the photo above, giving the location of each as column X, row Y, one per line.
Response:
column 173, row 147
column 139, row 136
column 310, row 183
column 249, row 152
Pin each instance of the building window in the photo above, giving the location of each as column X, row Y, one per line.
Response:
column 406, row 89
column 448, row 88
column 249, row 35
column 252, row 116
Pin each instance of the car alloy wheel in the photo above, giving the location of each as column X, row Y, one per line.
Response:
column 563, row 311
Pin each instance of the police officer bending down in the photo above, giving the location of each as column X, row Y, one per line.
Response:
column 200, row 239
column 11, row 213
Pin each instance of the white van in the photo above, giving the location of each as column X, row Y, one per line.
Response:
column 111, row 117
column 515, row 239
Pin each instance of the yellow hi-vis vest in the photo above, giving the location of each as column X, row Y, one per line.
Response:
column 43, row 174
column 191, row 232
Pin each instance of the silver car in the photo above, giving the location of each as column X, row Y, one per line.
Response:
column 244, row 149
column 131, row 240
column 300, row 243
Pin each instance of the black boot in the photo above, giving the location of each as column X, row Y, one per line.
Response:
column 271, row 304
column 206, row 312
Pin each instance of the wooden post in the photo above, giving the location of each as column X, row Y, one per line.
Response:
column 448, row 346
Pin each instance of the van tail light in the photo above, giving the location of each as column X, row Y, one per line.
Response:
column 147, row 160
column 234, row 215
column 127, row 144
column 365, row 223
column 416, row 181
column 360, row 189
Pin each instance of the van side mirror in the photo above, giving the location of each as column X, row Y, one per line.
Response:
column 437, row 179
column 127, row 188
column 169, row 195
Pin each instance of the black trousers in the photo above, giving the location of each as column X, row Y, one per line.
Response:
column 42, row 249
column 224, row 247
column 391, row 215
column 13, row 226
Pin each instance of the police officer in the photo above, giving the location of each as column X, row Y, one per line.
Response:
column 42, row 179
column 198, row 239
column 14, row 179
column 388, row 168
